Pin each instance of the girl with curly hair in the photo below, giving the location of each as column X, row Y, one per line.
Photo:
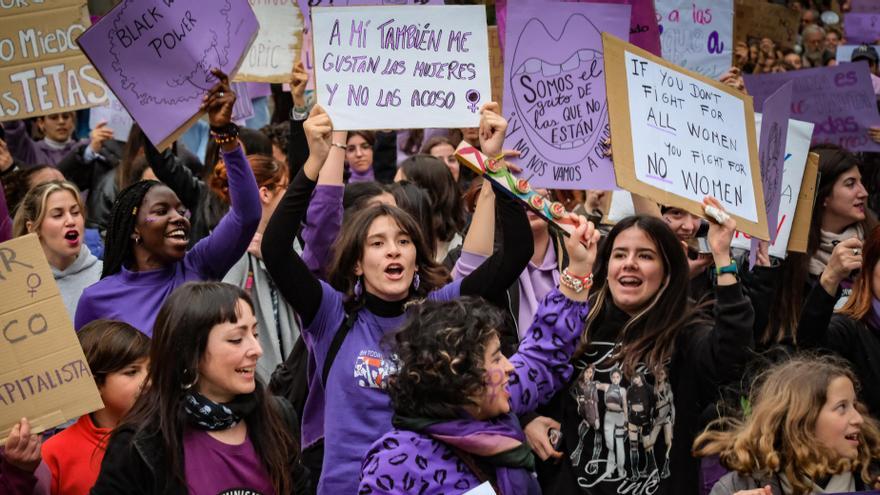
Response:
column 455, row 396
column 807, row 433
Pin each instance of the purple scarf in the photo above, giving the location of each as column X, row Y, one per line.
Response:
column 356, row 176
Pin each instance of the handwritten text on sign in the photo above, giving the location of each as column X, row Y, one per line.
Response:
column 697, row 35
column 688, row 137
column 276, row 48
column 43, row 70
column 554, row 95
column 402, row 67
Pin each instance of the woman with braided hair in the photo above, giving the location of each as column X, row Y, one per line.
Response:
column 146, row 256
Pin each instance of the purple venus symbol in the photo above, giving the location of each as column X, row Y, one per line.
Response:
column 473, row 97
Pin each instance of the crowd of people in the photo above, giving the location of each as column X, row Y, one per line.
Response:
column 298, row 309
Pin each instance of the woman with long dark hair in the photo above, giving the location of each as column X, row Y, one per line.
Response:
column 380, row 265
column 205, row 424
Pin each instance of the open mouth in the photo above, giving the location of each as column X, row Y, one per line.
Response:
column 178, row 234
column 394, row 271
column 629, row 282
column 245, row 371
column 853, row 437
column 72, row 237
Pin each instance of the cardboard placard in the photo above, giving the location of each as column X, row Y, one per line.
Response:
column 756, row 19
column 862, row 27
column 803, row 214
column 157, row 57
column 772, row 152
column 620, row 206
column 697, row 35
column 554, row 92
column 277, row 47
column 678, row 136
column 401, row 67
column 496, row 65
column 44, row 375
column 43, row 70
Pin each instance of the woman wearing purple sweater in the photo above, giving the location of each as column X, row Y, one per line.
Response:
column 455, row 396
column 146, row 242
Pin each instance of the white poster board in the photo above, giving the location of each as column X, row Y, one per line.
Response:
column 797, row 146
column 697, row 35
column 274, row 52
column 402, row 67
column 114, row 114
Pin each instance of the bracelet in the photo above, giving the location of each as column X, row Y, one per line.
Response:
column 226, row 134
column 340, row 146
column 731, row 269
column 574, row 282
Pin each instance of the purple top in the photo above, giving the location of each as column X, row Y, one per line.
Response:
column 5, row 221
column 356, row 176
column 14, row 481
column 212, row 467
column 356, row 381
column 535, row 282
column 31, row 152
column 135, row 297
column 321, row 226
column 400, row 459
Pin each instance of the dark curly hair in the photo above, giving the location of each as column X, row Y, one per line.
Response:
column 439, row 357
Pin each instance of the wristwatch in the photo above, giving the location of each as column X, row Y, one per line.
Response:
column 731, row 269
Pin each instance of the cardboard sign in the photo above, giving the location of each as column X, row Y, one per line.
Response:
column 402, row 67
column 862, row 27
column 115, row 115
column 696, row 35
column 803, row 214
column 157, row 57
column 678, row 136
column 643, row 29
column 44, row 375
column 554, row 92
column 496, row 65
column 756, row 19
column 844, row 52
column 839, row 100
column 279, row 40
column 797, row 148
column 42, row 70
column 771, row 151
column 620, row 207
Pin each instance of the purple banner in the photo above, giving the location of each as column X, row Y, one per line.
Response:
column 865, row 6
column 862, row 28
column 554, row 92
column 643, row 29
column 771, row 153
column 259, row 90
column 839, row 100
column 157, row 56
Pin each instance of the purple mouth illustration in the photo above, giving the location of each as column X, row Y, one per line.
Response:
column 558, row 88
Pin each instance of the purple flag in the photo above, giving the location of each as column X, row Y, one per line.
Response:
column 554, row 92
column 839, row 100
column 771, row 152
column 157, row 56
column 862, row 28
column 643, row 29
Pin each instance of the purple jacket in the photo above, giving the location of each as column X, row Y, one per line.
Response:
column 14, row 481
column 135, row 297
column 321, row 226
column 31, row 152
column 403, row 462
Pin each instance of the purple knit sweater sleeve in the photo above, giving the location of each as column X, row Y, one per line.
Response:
column 214, row 255
column 322, row 225
column 21, row 146
column 5, row 221
column 14, row 481
column 542, row 362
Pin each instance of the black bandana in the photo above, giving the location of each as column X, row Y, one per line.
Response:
column 205, row 414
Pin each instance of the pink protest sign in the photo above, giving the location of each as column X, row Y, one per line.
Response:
column 554, row 92
column 156, row 57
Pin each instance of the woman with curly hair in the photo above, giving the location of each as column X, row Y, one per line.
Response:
column 455, row 396
column 807, row 433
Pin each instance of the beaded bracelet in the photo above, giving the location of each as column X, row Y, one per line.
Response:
column 226, row 134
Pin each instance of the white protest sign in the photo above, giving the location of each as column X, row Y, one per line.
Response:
column 797, row 146
column 620, row 206
column 402, row 67
column 697, row 35
column 274, row 52
column 114, row 114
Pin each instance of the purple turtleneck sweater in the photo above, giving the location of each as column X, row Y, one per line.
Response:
column 135, row 297
column 366, row 176
column 31, row 152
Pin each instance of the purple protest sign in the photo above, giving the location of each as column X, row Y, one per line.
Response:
column 157, row 57
column 554, row 92
column 839, row 100
column 862, row 28
column 259, row 90
column 643, row 29
column 865, row 6
column 771, row 153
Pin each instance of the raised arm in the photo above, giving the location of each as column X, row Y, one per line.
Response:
column 297, row 145
column 22, row 147
column 324, row 215
column 171, row 170
column 288, row 270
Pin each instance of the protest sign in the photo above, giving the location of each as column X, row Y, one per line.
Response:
column 496, row 65
column 554, row 92
column 862, row 28
column 803, row 214
column 114, row 114
column 157, row 57
column 865, row 6
column 619, row 207
column 243, row 108
column 678, row 136
column 844, row 52
column 695, row 36
column 402, row 67
column 43, row 70
column 756, row 19
column 771, row 150
column 43, row 373
column 643, row 29
column 839, row 100
column 277, row 46
column 797, row 148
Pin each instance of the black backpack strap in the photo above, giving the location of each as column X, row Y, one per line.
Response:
column 336, row 344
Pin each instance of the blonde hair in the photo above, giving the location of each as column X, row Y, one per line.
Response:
column 33, row 206
column 779, row 434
